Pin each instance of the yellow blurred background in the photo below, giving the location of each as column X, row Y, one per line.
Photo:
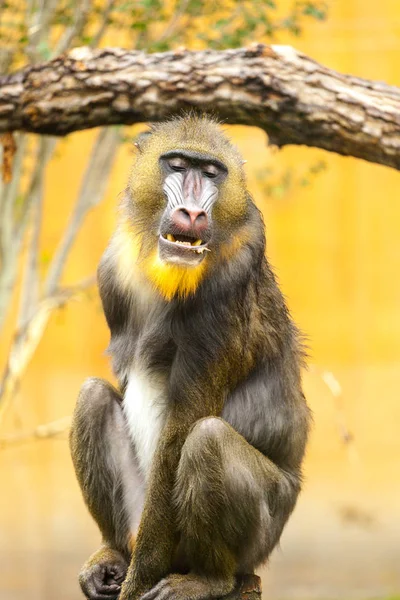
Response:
column 335, row 246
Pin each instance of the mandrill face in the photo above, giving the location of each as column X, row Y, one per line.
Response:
column 186, row 206
column 191, row 186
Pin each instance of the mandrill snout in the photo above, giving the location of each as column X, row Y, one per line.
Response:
column 184, row 235
column 190, row 221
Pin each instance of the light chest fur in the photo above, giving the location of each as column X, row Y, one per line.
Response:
column 145, row 399
column 146, row 410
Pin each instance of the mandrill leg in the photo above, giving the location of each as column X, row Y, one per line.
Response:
column 231, row 504
column 111, row 484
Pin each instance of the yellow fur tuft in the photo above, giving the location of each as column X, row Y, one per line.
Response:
column 127, row 246
column 173, row 280
column 169, row 280
column 229, row 249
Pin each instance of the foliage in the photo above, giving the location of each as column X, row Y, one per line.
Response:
column 277, row 187
column 40, row 31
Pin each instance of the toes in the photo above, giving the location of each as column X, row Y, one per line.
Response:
column 165, row 594
column 102, row 580
column 157, row 592
column 114, row 575
column 94, row 590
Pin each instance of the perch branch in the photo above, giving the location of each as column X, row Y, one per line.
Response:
column 293, row 98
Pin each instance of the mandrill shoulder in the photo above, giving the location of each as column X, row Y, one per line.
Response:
column 125, row 293
column 128, row 303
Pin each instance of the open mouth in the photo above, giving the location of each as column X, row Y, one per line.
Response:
column 186, row 242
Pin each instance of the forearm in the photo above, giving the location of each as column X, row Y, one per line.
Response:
column 157, row 537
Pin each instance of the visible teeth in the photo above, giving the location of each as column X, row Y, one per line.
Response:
column 172, row 238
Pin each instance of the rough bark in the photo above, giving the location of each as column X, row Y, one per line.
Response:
column 248, row 588
column 292, row 97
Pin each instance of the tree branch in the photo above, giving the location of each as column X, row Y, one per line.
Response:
column 41, row 432
column 26, row 340
column 98, row 36
column 92, row 190
column 293, row 98
column 75, row 30
column 10, row 243
column 14, row 223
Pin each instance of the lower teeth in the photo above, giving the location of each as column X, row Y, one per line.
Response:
column 171, row 238
column 195, row 245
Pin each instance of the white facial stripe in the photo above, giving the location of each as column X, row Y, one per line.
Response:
column 173, row 186
column 208, row 196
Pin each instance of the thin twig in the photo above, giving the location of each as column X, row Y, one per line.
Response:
column 98, row 36
column 30, row 287
column 9, row 243
column 26, row 340
column 14, row 223
column 91, row 192
column 30, row 284
column 71, row 33
column 171, row 26
column 41, row 432
column 9, row 193
column 335, row 389
column 45, row 151
column 39, row 28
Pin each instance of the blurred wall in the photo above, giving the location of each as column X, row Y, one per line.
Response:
column 335, row 247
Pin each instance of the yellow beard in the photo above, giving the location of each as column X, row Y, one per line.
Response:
column 169, row 280
column 173, row 280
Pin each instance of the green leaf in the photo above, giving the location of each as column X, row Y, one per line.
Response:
column 44, row 50
column 139, row 26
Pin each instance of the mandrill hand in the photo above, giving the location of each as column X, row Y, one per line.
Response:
column 102, row 576
column 190, row 587
column 132, row 588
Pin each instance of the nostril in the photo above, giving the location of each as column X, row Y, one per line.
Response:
column 185, row 217
column 185, row 213
column 181, row 218
column 200, row 219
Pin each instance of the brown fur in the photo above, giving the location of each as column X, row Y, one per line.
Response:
column 227, row 467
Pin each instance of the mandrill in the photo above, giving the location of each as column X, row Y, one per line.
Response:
column 192, row 466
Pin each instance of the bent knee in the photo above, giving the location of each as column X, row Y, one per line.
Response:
column 97, row 402
column 209, row 429
column 96, row 392
column 203, row 445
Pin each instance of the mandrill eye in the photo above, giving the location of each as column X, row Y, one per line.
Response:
column 210, row 171
column 178, row 164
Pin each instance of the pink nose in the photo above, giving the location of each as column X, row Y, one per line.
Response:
column 190, row 220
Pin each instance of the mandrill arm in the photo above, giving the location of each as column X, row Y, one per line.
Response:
column 157, row 537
